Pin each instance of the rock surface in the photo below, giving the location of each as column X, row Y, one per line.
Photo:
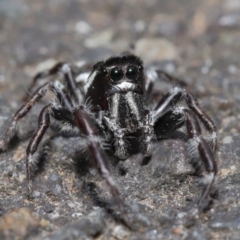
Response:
column 201, row 41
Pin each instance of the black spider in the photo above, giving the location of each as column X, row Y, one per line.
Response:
column 111, row 105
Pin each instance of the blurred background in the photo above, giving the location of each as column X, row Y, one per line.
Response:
column 198, row 41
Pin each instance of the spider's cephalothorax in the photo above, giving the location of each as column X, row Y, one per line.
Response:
column 111, row 105
column 116, row 88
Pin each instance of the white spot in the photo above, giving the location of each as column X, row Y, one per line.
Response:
column 140, row 26
column 132, row 104
column 195, row 141
column 115, row 105
column 125, row 86
column 82, row 77
column 179, row 110
column 227, row 140
column 76, row 215
column 208, row 178
column 66, row 68
column 232, row 69
column 33, row 161
column 80, row 63
column 193, row 147
column 152, row 74
column 83, row 27
column 176, row 90
column 89, row 81
column 58, row 85
column 93, row 138
column 58, row 188
column 66, row 128
column 214, row 135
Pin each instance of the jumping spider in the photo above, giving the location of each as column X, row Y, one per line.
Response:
column 111, row 105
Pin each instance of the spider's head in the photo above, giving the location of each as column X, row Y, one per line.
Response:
column 115, row 75
column 123, row 74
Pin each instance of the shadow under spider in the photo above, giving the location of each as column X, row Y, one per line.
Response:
column 125, row 217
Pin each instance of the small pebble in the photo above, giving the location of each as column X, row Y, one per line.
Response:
column 227, row 140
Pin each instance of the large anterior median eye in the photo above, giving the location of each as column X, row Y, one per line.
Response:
column 131, row 72
column 116, row 74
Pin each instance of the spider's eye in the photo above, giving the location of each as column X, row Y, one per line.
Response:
column 131, row 72
column 116, row 74
column 104, row 71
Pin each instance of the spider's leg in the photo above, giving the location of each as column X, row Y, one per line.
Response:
column 56, row 87
column 168, row 123
column 178, row 95
column 119, row 137
column 85, row 123
column 60, row 114
column 154, row 74
column 166, row 77
column 41, row 75
column 71, row 83
column 148, row 135
column 178, row 108
column 194, row 105
column 43, row 125
column 199, row 149
column 66, row 70
column 197, row 146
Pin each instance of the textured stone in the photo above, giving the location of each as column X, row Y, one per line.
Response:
column 162, row 192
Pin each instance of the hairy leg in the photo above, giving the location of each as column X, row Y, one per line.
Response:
column 200, row 151
column 31, row 161
column 56, row 87
column 68, row 78
column 86, row 125
column 178, row 99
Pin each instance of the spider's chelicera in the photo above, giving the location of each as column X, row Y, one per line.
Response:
column 111, row 105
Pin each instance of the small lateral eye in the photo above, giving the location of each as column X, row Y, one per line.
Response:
column 140, row 68
column 131, row 72
column 116, row 74
column 104, row 71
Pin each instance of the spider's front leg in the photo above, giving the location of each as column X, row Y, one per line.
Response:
column 85, row 123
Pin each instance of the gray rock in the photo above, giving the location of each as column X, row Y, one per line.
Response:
column 84, row 228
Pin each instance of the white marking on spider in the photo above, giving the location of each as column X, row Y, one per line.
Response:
column 179, row 110
column 152, row 74
column 176, row 90
column 132, row 104
column 213, row 136
column 33, row 161
column 208, row 178
column 89, row 81
column 125, row 86
column 192, row 147
column 82, row 77
column 115, row 105
column 66, row 68
column 58, row 85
